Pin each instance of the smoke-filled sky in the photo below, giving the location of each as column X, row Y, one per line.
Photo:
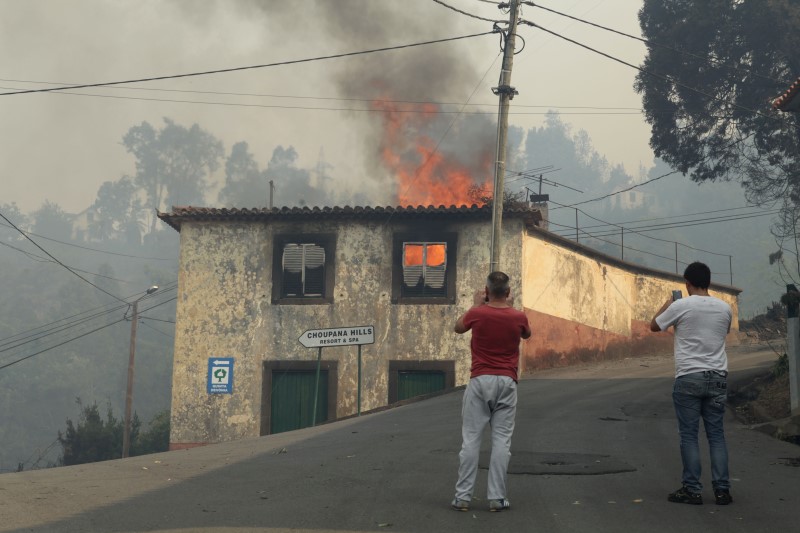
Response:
column 62, row 147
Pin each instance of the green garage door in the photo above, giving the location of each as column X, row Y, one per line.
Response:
column 412, row 383
column 292, row 402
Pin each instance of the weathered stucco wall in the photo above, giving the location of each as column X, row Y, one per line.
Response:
column 225, row 310
column 585, row 306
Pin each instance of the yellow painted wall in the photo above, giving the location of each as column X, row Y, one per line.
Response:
column 224, row 310
column 589, row 303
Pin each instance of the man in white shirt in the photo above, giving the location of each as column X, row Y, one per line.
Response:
column 700, row 390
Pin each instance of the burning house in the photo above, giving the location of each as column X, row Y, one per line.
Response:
column 252, row 281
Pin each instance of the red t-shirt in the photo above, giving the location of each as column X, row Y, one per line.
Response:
column 496, row 332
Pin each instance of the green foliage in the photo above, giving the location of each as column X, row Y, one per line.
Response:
column 781, row 366
column 95, row 439
column 711, row 118
column 156, row 438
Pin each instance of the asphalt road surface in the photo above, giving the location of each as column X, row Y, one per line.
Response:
column 595, row 450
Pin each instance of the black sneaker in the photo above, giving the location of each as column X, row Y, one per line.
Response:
column 723, row 496
column 683, row 495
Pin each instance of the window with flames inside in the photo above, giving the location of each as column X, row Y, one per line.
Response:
column 424, row 269
column 303, row 271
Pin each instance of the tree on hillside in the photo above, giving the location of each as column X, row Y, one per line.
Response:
column 173, row 164
column 12, row 212
column 712, row 119
column 244, row 182
column 95, row 439
column 117, row 210
column 52, row 221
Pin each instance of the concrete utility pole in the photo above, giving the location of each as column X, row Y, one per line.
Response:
column 793, row 349
column 126, row 431
column 505, row 92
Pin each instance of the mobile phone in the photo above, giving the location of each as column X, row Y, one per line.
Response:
column 676, row 295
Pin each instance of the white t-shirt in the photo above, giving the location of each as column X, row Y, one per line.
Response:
column 701, row 324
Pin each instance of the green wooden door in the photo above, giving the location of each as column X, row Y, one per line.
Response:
column 412, row 383
column 293, row 399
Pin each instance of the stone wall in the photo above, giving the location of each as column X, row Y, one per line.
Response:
column 586, row 306
column 225, row 309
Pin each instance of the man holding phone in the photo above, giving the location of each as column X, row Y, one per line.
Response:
column 491, row 395
column 701, row 368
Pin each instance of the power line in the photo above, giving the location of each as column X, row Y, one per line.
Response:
column 156, row 329
column 265, row 65
column 651, row 43
column 331, row 98
column 351, row 109
column 673, row 216
column 468, row 14
column 88, row 248
column 78, row 337
column 40, row 259
column 663, row 78
column 45, row 331
column 680, row 224
column 621, row 191
column 59, row 262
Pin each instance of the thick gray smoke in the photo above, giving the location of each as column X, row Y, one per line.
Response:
column 432, row 73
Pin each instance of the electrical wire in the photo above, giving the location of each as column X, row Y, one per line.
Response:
column 682, row 224
column 45, row 329
column 331, row 98
column 251, row 67
column 88, row 248
column 657, row 45
column 665, row 78
column 156, row 329
column 59, row 262
column 465, row 13
column 40, row 259
column 77, row 337
column 349, row 109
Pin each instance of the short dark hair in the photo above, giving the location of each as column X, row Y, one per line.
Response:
column 497, row 283
column 698, row 274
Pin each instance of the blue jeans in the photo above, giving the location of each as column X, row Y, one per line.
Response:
column 702, row 394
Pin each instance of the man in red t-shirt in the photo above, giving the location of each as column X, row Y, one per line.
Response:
column 491, row 395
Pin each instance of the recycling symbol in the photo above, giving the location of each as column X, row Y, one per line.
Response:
column 220, row 374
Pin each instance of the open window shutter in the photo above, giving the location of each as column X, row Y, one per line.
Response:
column 314, row 270
column 292, row 284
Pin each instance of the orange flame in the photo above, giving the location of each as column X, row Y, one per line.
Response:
column 426, row 176
column 413, row 254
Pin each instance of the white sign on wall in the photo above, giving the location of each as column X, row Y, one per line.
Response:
column 347, row 336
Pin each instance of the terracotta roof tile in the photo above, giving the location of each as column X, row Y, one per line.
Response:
column 180, row 214
column 787, row 101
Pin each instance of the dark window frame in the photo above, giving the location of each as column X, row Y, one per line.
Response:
column 281, row 366
column 451, row 269
column 396, row 366
column 327, row 242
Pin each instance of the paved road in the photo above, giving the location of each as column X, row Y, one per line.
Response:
column 595, row 450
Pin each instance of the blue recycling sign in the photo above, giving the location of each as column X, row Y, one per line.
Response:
column 220, row 375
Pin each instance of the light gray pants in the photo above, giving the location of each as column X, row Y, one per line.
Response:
column 487, row 400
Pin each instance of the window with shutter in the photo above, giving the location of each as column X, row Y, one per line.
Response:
column 302, row 271
column 424, row 268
